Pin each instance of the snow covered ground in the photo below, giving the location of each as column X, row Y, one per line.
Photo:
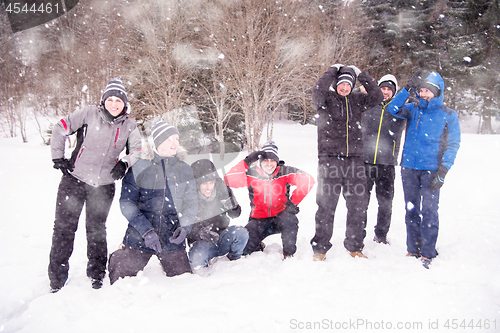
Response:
column 262, row 293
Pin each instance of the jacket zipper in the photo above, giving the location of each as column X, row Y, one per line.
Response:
column 347, row 125
column 378, row 134
column 270, row 199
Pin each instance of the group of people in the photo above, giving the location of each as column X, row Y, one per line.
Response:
column 359, row 134
column 181, row 213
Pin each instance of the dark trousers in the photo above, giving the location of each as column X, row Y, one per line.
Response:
column 285, row 223
column 128, row 261
column 382, row 176
column 71, row 197
column 422, row 220
column 338, row 175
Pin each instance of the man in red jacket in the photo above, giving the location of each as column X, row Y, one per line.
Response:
column 273, row 207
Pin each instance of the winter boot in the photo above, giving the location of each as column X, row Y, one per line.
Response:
column 426, row 262
column 319, row 256
column 357, row 254
column 96, row 283
column 380, row 240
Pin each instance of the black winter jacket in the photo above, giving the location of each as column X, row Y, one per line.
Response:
column 339, row 118
column 212, row 211
column 381, row 135
column 158, row 194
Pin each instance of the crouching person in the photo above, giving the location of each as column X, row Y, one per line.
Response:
column 212, row 236
column 274, row 206
column 158, row 198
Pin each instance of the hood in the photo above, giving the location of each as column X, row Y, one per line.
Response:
column 436, row 102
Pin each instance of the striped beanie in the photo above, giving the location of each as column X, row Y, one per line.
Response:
column 115, row 88
column 161, row 131
column 269, row 151
column 346, row 74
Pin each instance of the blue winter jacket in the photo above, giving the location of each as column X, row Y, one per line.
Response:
column 158, row 194
column 432, row 131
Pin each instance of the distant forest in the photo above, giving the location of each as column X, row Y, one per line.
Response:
column 230, row 67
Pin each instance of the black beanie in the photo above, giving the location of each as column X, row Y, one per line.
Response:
column 204, row 171
column 115, row 88
column 390, row 85
column 161, row 131
column 269, row 151
column 346, row 74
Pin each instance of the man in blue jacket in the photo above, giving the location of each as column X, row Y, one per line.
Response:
column 432, row 142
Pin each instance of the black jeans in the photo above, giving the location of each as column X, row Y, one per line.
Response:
column 382, row 176
column 347, row 176
column 71, row 197
column 285, row 223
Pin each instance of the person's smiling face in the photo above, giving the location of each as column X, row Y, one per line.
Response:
column 268, row 165
column 168, row 148
column 344, row 89
column 114, row 105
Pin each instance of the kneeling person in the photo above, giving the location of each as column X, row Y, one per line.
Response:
column 274, row 208
column 212, row 236
column 158, row 198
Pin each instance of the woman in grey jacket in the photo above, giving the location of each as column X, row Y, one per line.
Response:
column 103, row 132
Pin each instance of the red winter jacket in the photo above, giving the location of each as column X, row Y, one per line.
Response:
column 269, row 194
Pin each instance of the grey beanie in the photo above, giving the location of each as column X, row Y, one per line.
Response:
column 161, row 131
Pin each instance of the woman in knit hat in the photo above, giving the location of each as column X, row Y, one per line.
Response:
column 89, row 178
column 212, row 236
column 159, row 200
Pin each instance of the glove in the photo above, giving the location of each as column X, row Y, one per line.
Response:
column 118, row 171
column 63, row 164
column 253, row 157
column 437, row 180
column 416, row 80
column 152, row 240
column 292, row 208
column 228, row 204
column 337, row 66
column 208, row 235
column 413, row 100
column 179, row 236
column 355, row 69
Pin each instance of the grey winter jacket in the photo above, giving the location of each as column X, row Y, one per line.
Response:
column 103, row 142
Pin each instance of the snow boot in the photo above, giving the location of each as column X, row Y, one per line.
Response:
column 426, row 262
column 414, row 255
column 380, row 240
column 357, row 254
column 319, row 256
column 96, row 283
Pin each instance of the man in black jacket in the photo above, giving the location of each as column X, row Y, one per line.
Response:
column 341, row 167
column 381, row 140
column 211, row 235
